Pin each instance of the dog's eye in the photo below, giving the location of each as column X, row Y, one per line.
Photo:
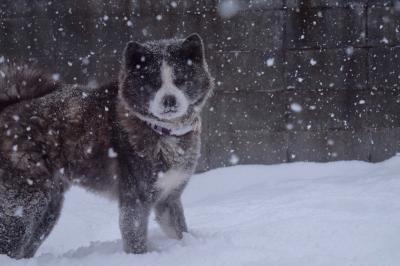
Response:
column 184, row 83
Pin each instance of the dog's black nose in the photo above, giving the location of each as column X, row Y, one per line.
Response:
column 169, row 101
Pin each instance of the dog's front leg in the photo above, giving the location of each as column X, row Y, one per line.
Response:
column 170, row 216
column 133, row 221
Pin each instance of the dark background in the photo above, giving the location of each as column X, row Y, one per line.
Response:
column 336, row 60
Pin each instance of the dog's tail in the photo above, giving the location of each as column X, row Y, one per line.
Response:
column 19, row 83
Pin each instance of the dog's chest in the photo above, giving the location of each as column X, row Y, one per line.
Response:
column 173, row 158
column 170, row 180
column 174, row 150
column 180, row 157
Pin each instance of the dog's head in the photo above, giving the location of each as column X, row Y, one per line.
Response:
column 165, row 81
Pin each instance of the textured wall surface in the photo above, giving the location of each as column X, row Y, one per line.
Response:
column 297, row 80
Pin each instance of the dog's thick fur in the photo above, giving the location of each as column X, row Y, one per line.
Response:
column 54, row 135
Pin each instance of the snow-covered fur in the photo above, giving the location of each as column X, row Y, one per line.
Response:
column 104, row 139
column 18, row 83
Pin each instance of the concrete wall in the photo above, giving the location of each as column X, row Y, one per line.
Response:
column 336, row 60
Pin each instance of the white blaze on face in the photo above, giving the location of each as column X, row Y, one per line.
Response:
column 168, row 88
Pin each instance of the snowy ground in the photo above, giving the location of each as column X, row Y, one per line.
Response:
column 343, row 213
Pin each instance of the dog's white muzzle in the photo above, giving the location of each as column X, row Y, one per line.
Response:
column 169, row 103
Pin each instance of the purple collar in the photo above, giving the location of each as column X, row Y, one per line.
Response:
column 159, row 129
column 164, row 131
column 168, row 129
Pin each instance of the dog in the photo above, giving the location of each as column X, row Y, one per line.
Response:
column 136, row 139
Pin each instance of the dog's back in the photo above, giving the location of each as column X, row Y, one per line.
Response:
column 19, row 83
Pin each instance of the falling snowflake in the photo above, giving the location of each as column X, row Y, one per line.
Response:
column 349, row 51
column 228, row 8
column 270, row 62
column 112, row 153
column 19, row 211
column 295, row 107
column 55, row 76
column 234, row 159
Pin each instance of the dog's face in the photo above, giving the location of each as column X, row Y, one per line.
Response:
column 166, row 81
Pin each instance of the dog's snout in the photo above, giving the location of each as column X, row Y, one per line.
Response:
column 169, row 101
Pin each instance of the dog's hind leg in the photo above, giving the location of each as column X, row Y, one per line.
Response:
column 29, row 208
column 12, row 230
column 170, row 217
column 17, row 225
column 46, row 225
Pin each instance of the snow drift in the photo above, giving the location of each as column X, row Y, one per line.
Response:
column 342, row 213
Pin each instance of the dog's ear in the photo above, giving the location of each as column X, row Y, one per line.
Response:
column 135, row 55
column 192, row 48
